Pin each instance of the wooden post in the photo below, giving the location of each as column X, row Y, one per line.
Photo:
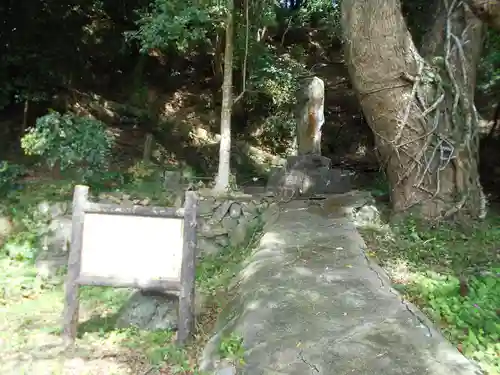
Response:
column 71, row 307
column 188, row 271
column 185, row 286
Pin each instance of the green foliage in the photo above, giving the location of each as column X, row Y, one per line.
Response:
column 452, row 273
column 9, row 174
column 489, row 66
column 175, row 24
column 142, row 171
column 216, row 271
column 447, row 246
column 276, row 76
column 380, row 186
column 61, row 44
column 70, row 141
column 278, row 130
column 231, row 347
column 322, row 14
column 471, row 321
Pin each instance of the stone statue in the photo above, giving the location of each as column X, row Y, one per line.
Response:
column 309, row 173
column 310, row 116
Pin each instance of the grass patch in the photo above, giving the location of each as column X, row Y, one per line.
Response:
column 452, row 272
column 31, row 305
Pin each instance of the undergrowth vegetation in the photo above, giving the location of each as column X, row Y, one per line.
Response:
column 452, row 272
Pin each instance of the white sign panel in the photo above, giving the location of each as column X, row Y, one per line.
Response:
column 132, row 247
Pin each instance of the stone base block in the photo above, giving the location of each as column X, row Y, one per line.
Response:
column 311, row 182
column 307, row 162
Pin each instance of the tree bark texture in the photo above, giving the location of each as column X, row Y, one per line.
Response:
column 487, row 11
column 420, row 108
column 222, row 179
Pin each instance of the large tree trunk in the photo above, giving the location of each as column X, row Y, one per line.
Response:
column 222, row 179
column 421, row 110
column 487, row 10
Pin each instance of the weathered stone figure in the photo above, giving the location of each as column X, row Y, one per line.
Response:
column 308, row 173
column 310, row 116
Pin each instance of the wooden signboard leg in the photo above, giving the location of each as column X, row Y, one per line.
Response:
column 71, row 303
column 188, row 271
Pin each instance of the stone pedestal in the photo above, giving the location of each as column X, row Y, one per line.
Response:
column 308, row 175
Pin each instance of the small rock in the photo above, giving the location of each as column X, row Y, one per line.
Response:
column 222, row 210
column 153, row 311
column 149, row 311
column 207, row 247
column 229, row 224
column 145, row 202
column 205, row 207
column 238, row 236
column 235, row 210
column 56, row 236
column 47, row 268
column 367, row 215
column 102, row 196
column 126, row 197
column 222, row 241
column 264, row 204
column 43, row 207
column 53, row 209
column 250, row 209
column 111, row 198
column 210, row 229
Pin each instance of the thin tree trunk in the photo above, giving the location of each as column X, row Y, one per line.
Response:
column 422, row 115
column 222, row 179
column 24, row 125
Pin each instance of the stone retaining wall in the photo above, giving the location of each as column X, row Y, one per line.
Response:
column 222, row 221
column 227, row 221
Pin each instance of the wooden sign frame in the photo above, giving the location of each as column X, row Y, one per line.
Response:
column 185, row 286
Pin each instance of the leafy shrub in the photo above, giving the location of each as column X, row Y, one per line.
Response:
column 276, row 76
column 278, row 130
column 471, row 321
column 9, row 173
column 68, row 140
column 141, row 171
column 174, row 24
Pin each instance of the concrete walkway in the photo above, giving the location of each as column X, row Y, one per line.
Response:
column 308, row 301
